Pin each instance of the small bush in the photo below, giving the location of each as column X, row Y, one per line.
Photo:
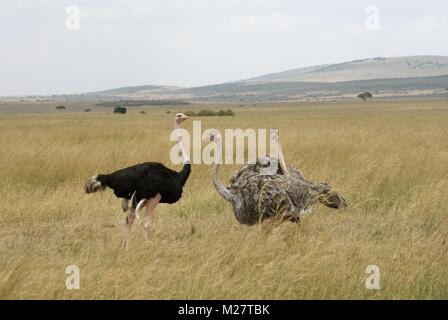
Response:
column 364, row 96
column 120, row 110
column 206, row 113
column 87, row 110
column 142, row 112
column 190, row 113
column 168, row 111
column 227, row 112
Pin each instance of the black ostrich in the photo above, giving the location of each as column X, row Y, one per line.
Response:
column 145, row 184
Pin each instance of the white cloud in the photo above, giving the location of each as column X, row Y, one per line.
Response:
column 194, row 42
column 426, row 26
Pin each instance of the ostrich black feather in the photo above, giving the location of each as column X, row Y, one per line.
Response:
column 145, row 179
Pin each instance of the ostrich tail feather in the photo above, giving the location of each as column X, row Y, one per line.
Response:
column 93, row 185
column 334, row 200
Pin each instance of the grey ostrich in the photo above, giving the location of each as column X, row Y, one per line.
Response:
column 256, row 196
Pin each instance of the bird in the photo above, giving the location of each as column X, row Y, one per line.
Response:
column 257, row 196
column 144, row 185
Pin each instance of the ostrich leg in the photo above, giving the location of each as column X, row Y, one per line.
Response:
column 151, row 204
column 127, row 228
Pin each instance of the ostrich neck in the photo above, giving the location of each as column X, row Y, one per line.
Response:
column 183, row 153
column 281, row 159
column 185, row 172
column 219, row 186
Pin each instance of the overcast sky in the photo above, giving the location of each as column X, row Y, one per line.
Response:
column 199, row 42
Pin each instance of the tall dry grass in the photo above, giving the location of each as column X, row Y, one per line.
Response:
column 389, row 159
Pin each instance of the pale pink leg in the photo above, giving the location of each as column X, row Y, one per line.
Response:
column 150, row 207
column 127, row 228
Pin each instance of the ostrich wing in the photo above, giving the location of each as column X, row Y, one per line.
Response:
column 264, row 196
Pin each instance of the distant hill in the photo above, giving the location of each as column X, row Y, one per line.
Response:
column 414, row 76
column 277, row 91
column 366, row 69
column 135, row 89
column 133, row 92
column 139, row 103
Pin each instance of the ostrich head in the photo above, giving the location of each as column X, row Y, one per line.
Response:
column 180, row 117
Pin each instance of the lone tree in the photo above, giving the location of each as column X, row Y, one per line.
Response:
column 364, row 96
column 120, row 110
column 60, row 108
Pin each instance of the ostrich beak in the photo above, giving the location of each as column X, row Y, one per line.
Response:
column 184, row 117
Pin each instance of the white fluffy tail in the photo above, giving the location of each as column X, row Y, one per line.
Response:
column 93, row 185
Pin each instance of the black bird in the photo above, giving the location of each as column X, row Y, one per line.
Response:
column 145, row 184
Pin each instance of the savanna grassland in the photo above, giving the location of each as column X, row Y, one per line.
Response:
column 388, row 158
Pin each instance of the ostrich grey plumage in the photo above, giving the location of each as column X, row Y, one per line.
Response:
column 285, row 193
